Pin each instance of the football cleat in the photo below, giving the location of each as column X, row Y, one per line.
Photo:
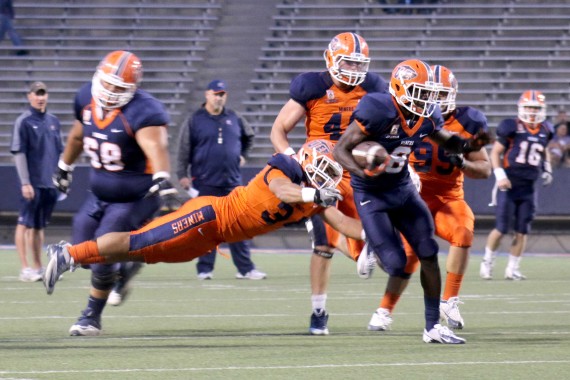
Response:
column 449, row 312
column 253, row 274
column 122, row 286
column 381, row 320
column 514, row 274
column 59, row 261
column 366, row 263
column 441, row 334
column 486, row 270
column 87, row 324
column 319, row 320
column 30, row 275
column 205, row 276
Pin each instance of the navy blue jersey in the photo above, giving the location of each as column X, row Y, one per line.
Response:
column 380, row 118
column 524, row 149
column 38, row 136
column 120, row 170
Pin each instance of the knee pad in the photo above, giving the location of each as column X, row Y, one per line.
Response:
column 323, row 251
column 462, row 237
column 103, row 277
column 317, row 232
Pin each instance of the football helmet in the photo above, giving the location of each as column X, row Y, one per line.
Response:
column 448, row 90
column 319, row 165
column 347, row 58
column 413, row 86
column 532, row 107
column 116, row 79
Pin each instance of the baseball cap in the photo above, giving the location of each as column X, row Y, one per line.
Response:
column 217, row 86
column 38, row 86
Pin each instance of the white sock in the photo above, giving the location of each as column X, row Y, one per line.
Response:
column 319, row 301
column 514, row 262
column 489, row 255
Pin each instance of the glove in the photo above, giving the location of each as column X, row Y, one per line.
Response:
column 415, row 178
column 327, row 196
column 457, row 160
column 324, row 197
column 546, row 176
column 161, row 186
column 62, row 177
column 477, row 142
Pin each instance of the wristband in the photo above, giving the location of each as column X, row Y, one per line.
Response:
column 289, row 151
column 499, row 174
column 161, row 175
column 363, row 235
column 63, row 166
column 308, row 194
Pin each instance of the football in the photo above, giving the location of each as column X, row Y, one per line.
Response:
column 369, row 154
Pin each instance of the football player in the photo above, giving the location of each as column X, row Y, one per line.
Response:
column 122, row 129
column 387, row 200
column 287, row 190
column 519, row 156
column 442, row 175
column 326, row 100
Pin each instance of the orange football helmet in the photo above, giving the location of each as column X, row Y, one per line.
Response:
column 532, row 107
column 347, row 58
column 448, row 90
column 413, row 86
column 116, row 79
column 319, row 165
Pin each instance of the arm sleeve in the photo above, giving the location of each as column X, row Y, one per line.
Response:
column 184, row 150
column 247, row 136
column 22, row 168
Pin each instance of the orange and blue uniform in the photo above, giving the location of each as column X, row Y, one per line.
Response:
column 328, row 112
column 204, row 222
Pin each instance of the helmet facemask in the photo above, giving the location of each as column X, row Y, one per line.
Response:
column 111, row 99
column 420, row 98
column 348, row 69
column 320, row 168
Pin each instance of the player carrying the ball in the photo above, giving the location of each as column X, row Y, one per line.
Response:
column 387, row 201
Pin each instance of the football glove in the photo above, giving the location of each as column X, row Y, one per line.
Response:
column 546, row 176
column 477, row 142
column 327, row 196
column 161, row 186
column 457, row 160
column 62, row 177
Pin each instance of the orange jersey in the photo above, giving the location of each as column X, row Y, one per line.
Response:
column 431, row 161
column 204, row 222
column 328, row 108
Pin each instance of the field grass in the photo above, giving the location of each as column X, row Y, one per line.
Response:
column 176, row 327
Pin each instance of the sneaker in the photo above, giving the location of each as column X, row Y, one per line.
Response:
column 486, row 270
column 253, row 274
column 449, row 312
column 59, row 261
column 87, row 324
column 30, row 275
column 381, row 320
column 441, row 334
column 366, row 263
column 205, row 276
column 514, row 274
column 319, row 320
column 122, row 286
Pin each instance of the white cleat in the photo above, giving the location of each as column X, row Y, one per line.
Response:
column 253, row 274
column 486, row 270
column 366, row 263
column 381, row 320
column 441, row 334
column 514, row 274
column 449, row 312
column 59, row 261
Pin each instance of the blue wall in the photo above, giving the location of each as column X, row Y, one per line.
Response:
column 553, row 200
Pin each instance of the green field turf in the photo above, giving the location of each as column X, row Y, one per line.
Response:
column 176, row 327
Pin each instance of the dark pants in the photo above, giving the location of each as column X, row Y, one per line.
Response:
column 241, row 255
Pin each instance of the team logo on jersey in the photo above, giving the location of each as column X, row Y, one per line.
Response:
column 87, row 117
column 52, row 127
column 405, row 72
column 330, row 97
column 394, row 130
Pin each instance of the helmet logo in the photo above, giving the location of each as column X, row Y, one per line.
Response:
column 405, row 72
column 335, row 45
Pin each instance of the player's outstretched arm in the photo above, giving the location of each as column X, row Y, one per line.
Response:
column 346, row 225
column 477, row 165
column 456, row 144
column 289, row 192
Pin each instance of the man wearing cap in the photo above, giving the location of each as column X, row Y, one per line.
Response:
column 214, row 142
column 36, row 146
